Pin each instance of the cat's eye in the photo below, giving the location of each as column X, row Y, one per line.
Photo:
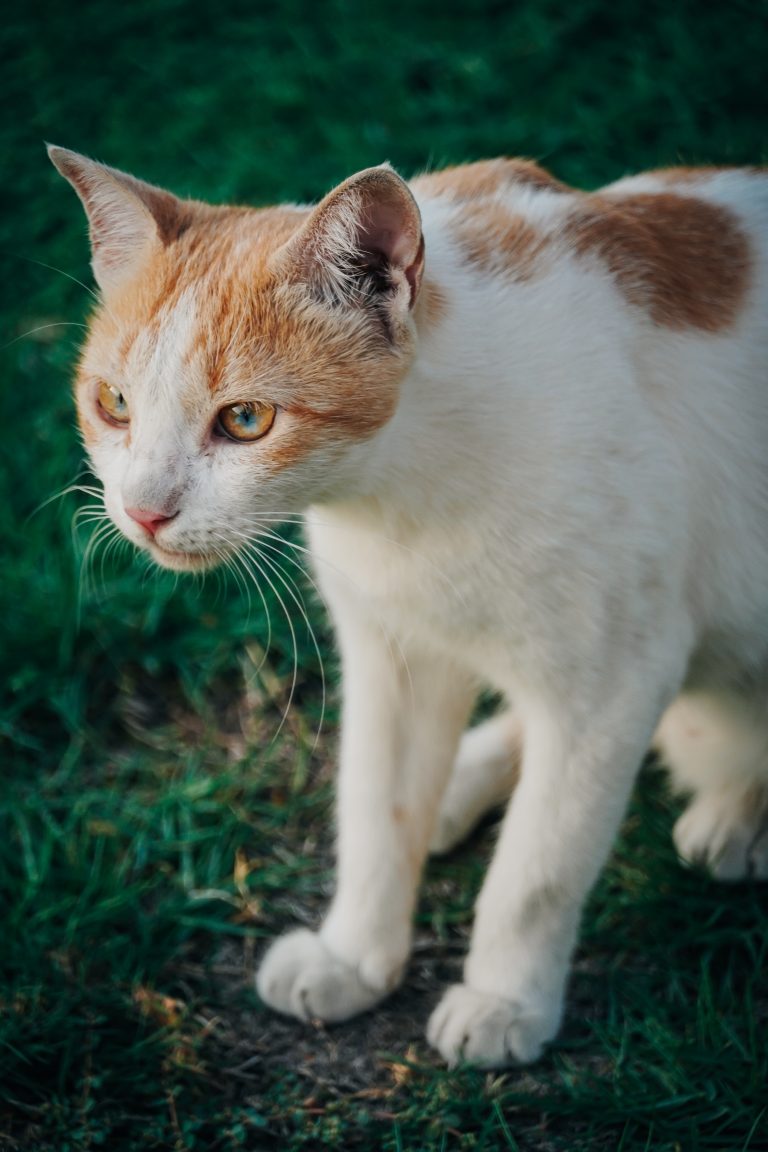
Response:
column 246, row 421
column 112, row 404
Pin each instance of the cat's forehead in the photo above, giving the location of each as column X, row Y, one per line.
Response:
column 204, row 297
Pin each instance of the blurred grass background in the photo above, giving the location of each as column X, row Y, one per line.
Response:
column 152, row 832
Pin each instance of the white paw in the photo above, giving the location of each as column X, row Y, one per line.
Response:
column 299, row 976
column 713, row 832
column 486, row 1030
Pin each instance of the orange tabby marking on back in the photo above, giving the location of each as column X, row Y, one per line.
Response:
column 492, row 238
column 684, row 259
column 682, row 174
column 487, row 178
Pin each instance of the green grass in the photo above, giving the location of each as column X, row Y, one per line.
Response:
column 153, row 829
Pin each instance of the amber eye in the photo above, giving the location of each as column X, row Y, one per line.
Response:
column 245, row 421
column 112, row 404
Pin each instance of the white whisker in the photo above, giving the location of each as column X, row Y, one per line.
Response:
column 246, row 564
column 296, row 518
column 86, row 584
column 87, row 489
column 299, row 601
column 42, row 328
column 74, row 279
column 387, row 633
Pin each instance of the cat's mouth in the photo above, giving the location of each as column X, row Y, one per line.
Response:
column 181, row 561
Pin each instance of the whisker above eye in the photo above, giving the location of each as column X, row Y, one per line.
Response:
column 68, row 275
column 42, row 328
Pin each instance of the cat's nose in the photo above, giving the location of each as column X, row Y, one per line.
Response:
column 149, row 519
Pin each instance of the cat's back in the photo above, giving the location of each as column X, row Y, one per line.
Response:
column 651, row 291
column 684, row 248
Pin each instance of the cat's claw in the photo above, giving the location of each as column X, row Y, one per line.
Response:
column 485, row 1030
column 299, row 976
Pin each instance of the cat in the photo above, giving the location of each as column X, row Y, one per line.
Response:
column 529, row 429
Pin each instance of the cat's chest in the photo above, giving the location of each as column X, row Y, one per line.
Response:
column 427, row 586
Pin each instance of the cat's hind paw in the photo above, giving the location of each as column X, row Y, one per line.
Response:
column 452, row 828
column 485, row 1030
column 483, row 777
column 729, row 839
column 300, row 977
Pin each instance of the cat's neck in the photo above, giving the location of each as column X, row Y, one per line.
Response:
column 439, row 452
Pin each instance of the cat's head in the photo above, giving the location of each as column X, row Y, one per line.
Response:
column 239, row 360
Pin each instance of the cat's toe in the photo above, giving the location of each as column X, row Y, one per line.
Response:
column 300, row 977
column 729, row 842
column 486, row 1030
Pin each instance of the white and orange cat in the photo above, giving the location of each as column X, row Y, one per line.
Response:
column 530, row 425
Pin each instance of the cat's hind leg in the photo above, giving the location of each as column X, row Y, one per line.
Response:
column 483, row 777
column 716, row 747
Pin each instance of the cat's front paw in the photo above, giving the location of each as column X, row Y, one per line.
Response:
column 486, row 1030
column 299, row 976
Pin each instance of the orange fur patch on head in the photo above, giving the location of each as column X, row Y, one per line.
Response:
column 332, row 367
column 255, row 335
column 494, row 239
column 686, row 260
column 486, row 178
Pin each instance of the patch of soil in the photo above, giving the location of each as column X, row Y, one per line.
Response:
column 361, row 1054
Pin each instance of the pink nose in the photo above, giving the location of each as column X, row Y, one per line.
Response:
column 148, row 519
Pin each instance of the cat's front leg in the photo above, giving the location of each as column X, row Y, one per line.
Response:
column 556, row 834
column 402, row 717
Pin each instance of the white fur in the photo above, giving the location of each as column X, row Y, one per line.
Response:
column 570, row 504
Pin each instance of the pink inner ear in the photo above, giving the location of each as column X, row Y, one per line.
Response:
column 372, row 216
column 384, row 230
column 389, row 228
column 393, row 228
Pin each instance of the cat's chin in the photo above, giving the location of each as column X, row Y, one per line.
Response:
column 181, row 561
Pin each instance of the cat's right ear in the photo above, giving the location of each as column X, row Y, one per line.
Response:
column 361, row 247
column 129, row 220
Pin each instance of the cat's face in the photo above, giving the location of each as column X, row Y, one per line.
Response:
column 239, row 360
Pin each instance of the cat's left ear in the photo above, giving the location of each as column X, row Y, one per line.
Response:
column 129, row 220
column 362, row 246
